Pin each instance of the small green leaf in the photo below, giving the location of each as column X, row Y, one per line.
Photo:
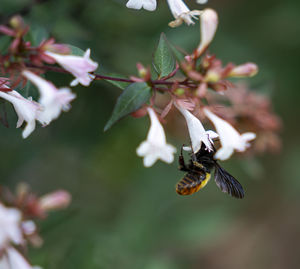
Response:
column 131, row 99
column 163, row 62
column 179, row 54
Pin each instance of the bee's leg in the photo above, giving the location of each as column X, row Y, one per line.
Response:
column 182, row 166
column 193, row 155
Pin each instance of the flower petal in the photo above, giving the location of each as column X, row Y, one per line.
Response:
column 78, row 66
column 196, row 131
column 138, row 4
column 182, row 13
column 155, row 147
column 52, row 99
column 229, row 137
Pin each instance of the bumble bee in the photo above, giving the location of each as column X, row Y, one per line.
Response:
column 199, row 173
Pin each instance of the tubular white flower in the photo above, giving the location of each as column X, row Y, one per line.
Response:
column 197, row 132
column 208, row 28
column 52, row 99
column 10, row 226
column 12, row 259
column 229, row 137
column 182, row 13
column 78, row 66
column 138, row 4
column 26, row 109
column 155, row 147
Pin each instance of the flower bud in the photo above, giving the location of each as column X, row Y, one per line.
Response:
column 244, row 70
column 55, row 200
column 179, row 91
column 209, row 24
column 143, row 72
column 212, row 76
column 16, row 22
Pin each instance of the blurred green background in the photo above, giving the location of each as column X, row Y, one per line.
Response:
column 126, row 216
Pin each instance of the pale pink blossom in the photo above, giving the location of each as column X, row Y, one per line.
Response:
column 79, row 66
column 197, row 132
column 155, row 147
column 208, row 28
column 26, row 109
column 229, row 137
column 52, row 99
column 12, row 259
column 10, row 226
column 138, row 4
column 182, row 13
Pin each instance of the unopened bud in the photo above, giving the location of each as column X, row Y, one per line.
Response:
column 179, row 91
column 55, row 200
column 143, row 72
column 16, row 22
column 244, row 70
column 209, row 24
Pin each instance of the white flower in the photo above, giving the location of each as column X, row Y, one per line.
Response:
column 138, row 4
column 12, row 259
column 52, row 99
column 155, row 147
column 78, row 66
column 10, row 226
column 26, row 109
column 208, row 28
column 229, row 137
column 197, row 131
column 182, row 13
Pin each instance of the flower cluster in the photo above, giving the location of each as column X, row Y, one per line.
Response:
column 195, row 86
column 204, row 74
column 17, row 226
column 28, row 67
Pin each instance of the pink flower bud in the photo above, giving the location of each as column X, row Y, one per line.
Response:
column 244, row 70
column 55, row 200
column 209, row 24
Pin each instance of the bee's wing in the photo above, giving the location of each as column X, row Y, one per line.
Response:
column 227, row 183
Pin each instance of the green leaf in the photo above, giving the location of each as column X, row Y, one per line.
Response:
column 76, row 51
column 163, row 61
column 179, row 54
column 131, row 99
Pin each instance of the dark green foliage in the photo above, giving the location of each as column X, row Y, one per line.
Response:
column 131, row 99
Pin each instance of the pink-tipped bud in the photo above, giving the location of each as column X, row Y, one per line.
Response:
column 244, row 70
column 55, row 200
column 208, row 28
column 144, row 72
